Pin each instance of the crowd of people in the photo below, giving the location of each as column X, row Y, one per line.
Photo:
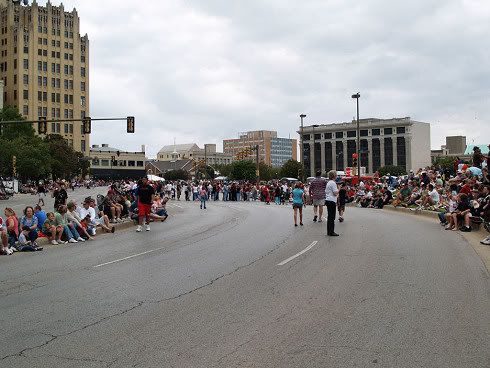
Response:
column 460, row 196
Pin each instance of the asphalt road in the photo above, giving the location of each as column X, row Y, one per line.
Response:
column 206, row 289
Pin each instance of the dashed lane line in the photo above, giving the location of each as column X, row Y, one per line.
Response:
column 298, row 254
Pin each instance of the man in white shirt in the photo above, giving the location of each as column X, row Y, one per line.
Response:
column 88, row 213
column 331, row 194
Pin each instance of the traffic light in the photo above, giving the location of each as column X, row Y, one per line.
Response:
column 130, row 124
column 42, row 125
column 87, row 125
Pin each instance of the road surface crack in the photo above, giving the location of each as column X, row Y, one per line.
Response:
column 52, row 337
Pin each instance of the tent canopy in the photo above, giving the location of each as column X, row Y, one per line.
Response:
column 154, row 178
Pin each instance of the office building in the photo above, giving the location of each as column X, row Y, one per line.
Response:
column 113, row 163
column 398, row 142
column 193, row 152
column 273, row 151
column 44, row 63
column 456, row 145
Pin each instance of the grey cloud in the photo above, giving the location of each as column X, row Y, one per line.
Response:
column 205, row 70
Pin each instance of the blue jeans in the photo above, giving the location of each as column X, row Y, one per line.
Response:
column 203, row 202
column 70, row 232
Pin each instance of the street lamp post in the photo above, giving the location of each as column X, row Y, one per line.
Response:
column 302, row 116
column 357, row 96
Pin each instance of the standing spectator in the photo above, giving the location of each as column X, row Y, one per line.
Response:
column 331, row 193
column 145, row 195
column 203, row 196
column 60, row 196
column 478, row 157
column 41, row 192
column 298, row 203
column 317, row 192
column 341, row 201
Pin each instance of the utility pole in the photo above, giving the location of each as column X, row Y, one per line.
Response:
column 301, row 158
column 358, row 150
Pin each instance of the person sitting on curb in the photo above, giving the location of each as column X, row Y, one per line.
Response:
column 24, row 244
column 4, row 250
column 52, row 230
column 12, row 226
column 461, row 215
column 41, row 217
column 69, row 230
column 100, row 219
column 30, row 221
column 74, row 219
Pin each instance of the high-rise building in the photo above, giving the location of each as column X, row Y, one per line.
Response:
column 44, row 63
column 273, row 151
column 383, row 142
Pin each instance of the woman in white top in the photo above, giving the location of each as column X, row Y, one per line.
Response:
column 331, row 193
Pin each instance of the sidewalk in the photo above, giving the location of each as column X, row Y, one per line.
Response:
column 473, row 238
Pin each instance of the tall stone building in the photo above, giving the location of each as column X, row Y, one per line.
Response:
column 44, row 63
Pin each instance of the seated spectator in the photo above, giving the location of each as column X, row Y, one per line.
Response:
column 461, row 215
column 52, row 230
column 69, row 231
column 24, row 244
column 158, row 208
column 30, row 221
column 74, row 219
column 12, row 226
column 41, row 217
column 101, row 219
column 4, row 250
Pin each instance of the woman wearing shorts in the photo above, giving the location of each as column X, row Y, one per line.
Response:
column 298, row 203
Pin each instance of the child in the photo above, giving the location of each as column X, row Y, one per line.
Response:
column 25, row 245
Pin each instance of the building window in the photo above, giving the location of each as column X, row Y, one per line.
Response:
column 26, row 64
column 363, row 133
column 401, row 155
column 388, row 131
column 25, row 110
column 376, row 155
column 26, row 94
column 328, row 135
column 82, row 71
column 82, row 86
column 139, row 163
column 351, row 149
column 388, row 152
column 318, row 136
column 104, row 162
column 25, row 79
column 351, row 134
column 82, row 101
column 82, row 144
column 400, row 130
column 131, row 163
column 339, row 155
column 339, row 135
column 375, row 131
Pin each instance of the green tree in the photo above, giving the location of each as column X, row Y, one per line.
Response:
column 15, row 130
column 64, row 159
column 243, row 170
column 445, row 162
column 33, row 158
column 176, row 175
column 291, row 169
column 393, row 170
column 224, row 170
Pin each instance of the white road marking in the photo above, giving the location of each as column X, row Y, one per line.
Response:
column 129, row 257
column 298, row 254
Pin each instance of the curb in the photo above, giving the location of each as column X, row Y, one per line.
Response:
column 119, row 226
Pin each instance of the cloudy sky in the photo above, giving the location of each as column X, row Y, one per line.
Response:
column 204, row 70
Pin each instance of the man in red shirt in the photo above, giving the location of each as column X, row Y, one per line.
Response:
column 317, row 193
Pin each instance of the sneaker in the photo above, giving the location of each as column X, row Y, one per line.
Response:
column 486, row 241
column 80, row 239
column 314, row 218
column 54, row 242
column 139, row 229
column 465, row 229
column 333, row 234
column 147, row 228
column 39, row 249
column 9, row 251
column 72, row 240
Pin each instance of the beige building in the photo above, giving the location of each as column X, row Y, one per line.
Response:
column 44, row 63
column 192, row 151
column 273, row 151
column 383, row 142
column 113, row 163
